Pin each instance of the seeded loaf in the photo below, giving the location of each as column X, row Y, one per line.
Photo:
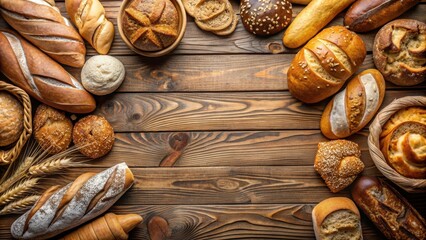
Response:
column 336, row 218
column 321, row 68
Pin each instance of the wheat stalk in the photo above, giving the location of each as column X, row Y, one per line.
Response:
column 19, row 206
column 49, row 167
column 18, row 191
column 17, row 174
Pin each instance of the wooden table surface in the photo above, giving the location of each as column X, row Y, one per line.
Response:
column 247, row 146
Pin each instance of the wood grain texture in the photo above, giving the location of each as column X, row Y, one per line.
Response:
column 209, row 73
column 149, row 112
column 197, row 41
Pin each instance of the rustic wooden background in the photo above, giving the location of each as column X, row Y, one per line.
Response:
column 245, row 146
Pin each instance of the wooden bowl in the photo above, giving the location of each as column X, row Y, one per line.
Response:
column 182, row 27
column 408, row 184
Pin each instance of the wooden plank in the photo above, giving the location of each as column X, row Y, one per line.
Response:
column 272, row 221
column 240, row 72
column 197, row 41
column 204, row 149
column 153, row 112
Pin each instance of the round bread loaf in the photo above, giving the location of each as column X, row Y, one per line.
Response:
column 102, row 74
column 151, row 25
column 265, row 17
column 94, row 136
column 52, row 129
column 399, row 52
column 11, row 119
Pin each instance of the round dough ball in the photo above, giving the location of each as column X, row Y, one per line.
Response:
column 52, row 129
column 11, row 119
column 94, row 136
column 102, row 74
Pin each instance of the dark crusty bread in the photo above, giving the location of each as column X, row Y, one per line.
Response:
column 321, row 68
column 399, row 52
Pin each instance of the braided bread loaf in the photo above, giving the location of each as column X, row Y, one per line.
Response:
column 89, row 17
column 40, row 76
column 60, row 209
column 41, row 23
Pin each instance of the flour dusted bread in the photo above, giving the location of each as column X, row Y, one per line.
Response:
column 338, row 162
column 336, row 218
column 60, row 209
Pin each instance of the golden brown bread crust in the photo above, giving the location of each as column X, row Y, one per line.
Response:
column 11, row 119
column 52, row 129
column 366, row 15
column 338, row 162
column 352, row 108
column 321, row 67
column 151, row 25
column 94, row 136
column 25, row 66
column 388, row 210
column 399, row 52
column 403, row 142
column 41, row 23
column 265, row 17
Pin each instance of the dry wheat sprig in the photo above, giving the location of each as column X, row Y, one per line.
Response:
column 17, row 175
column 16, row 192
column 19, row 206
column 52, row 166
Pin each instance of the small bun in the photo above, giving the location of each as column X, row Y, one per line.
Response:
column 52, row 129
column 102, row 74
column 94, row 136
column 265, row 17
column 11, row 119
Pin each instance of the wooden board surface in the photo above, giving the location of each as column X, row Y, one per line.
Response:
column 245, row 164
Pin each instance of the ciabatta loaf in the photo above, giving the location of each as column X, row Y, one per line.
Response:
column 60, row 209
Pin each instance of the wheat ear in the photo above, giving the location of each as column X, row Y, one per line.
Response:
column 19, row 206
column 17, row 175
column 52, row 166
column 18, row 191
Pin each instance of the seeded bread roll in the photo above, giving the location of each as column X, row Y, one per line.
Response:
column 265, row 17
column 321, row 68
column 11, row 119
column 336, row 218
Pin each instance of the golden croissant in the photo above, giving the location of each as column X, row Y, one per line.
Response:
column 89, row 17
column 108, row 227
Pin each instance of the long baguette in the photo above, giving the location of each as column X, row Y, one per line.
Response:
column 316, row 15
column 40, row 76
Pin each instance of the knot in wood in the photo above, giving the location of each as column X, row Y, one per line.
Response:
column 158, row 228
column 179, row 141
column 275, row 47
column 227, row 184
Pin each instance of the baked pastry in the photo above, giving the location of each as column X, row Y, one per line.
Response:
column 366, row 15
column 41, row 23
column 89, row 18
column 94, row 136
column 316, row 15
column 392, row 214
column 151, row 25
column 217, row 20
column 41, row 77
column 102, row 74
column 403, row 142
column 399, row 52
column 265, row 17
column 323, row 65
column 351, row 109
column 108, row 227
column 52, row 129
column 338, row 162
column 11, row 119
column 336, row 218
column 61, row 209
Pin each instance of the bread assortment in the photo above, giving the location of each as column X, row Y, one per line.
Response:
column 102, row 74
column 336, row 218
column 338, row 162
column 399, row 52
column 366, row 15
column 41, row 23
column 60, row 209
column 351, row 109
column 11, row 119
column 392, row 214
column 403, row 142
column 89, row 18
column 324, row 64
column 265, row 17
